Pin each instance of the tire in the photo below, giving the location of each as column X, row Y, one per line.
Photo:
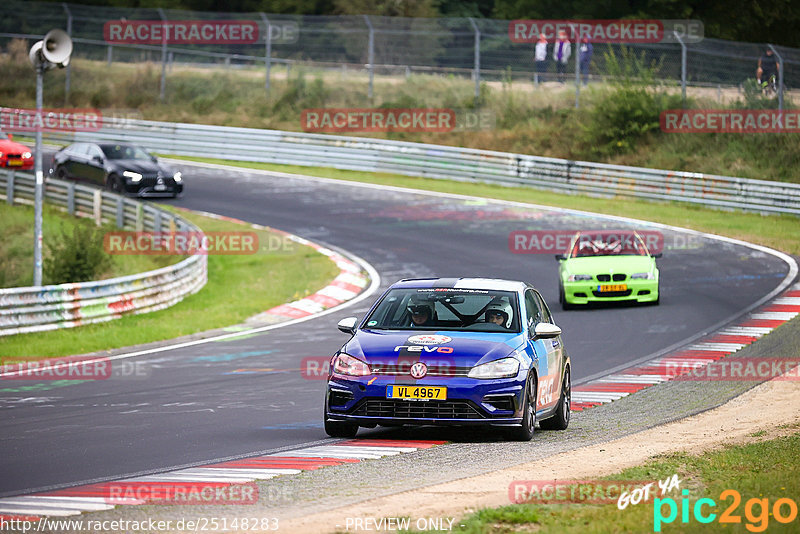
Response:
column 340, row 429
column 525, row 431
column 114, row 184
column 61, row 173
column 562, row 298
column 560, row 421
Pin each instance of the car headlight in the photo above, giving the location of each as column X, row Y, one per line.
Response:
column 503, row 368
column 134, row 176
column 177, row 177
column 25, row 155
column 348, row 365
column 643, row 276
column 579, row 277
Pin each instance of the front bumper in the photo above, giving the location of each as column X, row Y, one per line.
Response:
column 149, row 187
column 585, row 292
column 469, row 401
column 15, row 164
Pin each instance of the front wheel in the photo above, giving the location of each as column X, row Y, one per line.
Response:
column 525, row 431
column 61, row 173
column 114, row 183
column 340, row 429
column 560, row 421
column 562, row 298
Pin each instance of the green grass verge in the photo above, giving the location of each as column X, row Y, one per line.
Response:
column 776, row 231
column 760, row 470
column 238, row 287
column 16, row 252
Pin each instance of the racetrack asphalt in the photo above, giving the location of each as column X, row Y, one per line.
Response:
column 246, row 396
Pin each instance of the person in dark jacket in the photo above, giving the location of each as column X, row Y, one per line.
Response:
column 585, row 55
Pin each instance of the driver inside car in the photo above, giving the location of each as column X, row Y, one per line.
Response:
column 500, row 313
column 421, row 311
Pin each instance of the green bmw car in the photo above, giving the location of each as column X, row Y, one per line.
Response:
column 607, row 266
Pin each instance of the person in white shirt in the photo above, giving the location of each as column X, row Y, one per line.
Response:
column 540, row 58
column 561, row 51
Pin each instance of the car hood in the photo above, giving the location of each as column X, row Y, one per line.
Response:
column 12, row 147
column 609, row 264
column 141, row 166
column 460, row 349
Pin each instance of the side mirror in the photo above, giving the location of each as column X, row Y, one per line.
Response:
column 98, row 159
column 155, row 159
column 561, row 257
column 10, row 137
column 545, row 331
column 348, row 325
column 657, row 255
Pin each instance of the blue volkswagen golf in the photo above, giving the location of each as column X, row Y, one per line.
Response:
column 451, row 351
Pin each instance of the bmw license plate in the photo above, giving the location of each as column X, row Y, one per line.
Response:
column 15, row 163
column 416, row 392
column 612, row 287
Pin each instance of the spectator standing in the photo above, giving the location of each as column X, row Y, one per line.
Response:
column 561, row 52
column 540, row 58
column 585, row 55
column 767, row 67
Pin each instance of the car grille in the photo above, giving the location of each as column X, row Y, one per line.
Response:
column 433, row 370
column 619, row 277
column 390, row 408
column 601, row 294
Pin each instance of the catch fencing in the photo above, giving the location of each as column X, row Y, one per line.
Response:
column 36, row 309
column 446, row 162
column 480, row 49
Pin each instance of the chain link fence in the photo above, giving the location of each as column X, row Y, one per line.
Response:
column 480, row 49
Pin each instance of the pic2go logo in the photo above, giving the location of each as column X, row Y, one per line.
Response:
column 756, row 511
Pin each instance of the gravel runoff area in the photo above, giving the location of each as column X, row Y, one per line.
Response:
column 475, row 470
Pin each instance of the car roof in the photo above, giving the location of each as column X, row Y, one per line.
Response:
column 462, row 283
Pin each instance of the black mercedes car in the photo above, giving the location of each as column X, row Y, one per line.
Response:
column 122, row 168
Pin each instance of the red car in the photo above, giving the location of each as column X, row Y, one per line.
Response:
column 14, row 155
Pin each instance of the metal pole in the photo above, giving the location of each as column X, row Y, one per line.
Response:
column 780, row 77
column 371, row 54
column 477, row 68
column 268, row 55
column 163, row 55
column 37, row 196
column 577, row 67
column 69, row 65
column 683, row 68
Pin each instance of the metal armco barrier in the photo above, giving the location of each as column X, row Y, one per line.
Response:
column 35, row 309
column 437, row 161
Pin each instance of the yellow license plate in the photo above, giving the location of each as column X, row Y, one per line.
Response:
column 416, row 392
column 612, row 287
column 15, row 163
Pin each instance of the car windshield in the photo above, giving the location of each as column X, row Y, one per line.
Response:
column 124, row 152
column 608, row 244
column 446, row 309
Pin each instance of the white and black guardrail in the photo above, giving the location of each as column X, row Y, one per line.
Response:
column 437, row 161
column 35, row 309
